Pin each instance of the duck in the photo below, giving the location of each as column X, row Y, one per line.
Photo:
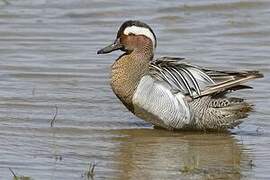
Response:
column 170, row 92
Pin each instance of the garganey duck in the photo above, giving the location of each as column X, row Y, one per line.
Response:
column 169, row 92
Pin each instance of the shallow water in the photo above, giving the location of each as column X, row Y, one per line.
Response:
column 48, row 59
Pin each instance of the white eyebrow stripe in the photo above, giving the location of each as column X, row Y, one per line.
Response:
column 141, row 31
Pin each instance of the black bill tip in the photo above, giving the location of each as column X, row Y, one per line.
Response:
column 100, row 51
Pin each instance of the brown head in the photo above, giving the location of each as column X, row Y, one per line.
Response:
column 138, row 41
column 132, row 35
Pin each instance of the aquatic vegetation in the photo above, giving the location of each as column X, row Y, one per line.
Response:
column 90, row 172
column 16, row 177
column 54, row 117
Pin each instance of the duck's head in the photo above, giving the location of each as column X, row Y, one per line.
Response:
column 132, row 35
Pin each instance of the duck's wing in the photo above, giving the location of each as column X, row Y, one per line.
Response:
column 181, row 76
column 195, row 81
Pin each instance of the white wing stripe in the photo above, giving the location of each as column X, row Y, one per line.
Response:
column 193, row 80
column 176, row 81
column 183, row 80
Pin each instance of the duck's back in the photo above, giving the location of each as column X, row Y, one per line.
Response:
column 177, row 95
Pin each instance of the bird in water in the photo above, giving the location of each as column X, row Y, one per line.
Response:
column 170, row 92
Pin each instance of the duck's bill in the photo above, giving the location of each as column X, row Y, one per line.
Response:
column 112, row 47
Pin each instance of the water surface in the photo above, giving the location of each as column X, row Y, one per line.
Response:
column 48, row 59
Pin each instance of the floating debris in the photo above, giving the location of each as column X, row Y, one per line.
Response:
column 58, row 157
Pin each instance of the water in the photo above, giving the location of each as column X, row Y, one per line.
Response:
column 48, row 59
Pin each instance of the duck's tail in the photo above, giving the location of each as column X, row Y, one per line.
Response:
column 222, row 113
column 229, row 80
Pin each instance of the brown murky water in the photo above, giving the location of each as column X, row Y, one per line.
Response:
column 48, row 58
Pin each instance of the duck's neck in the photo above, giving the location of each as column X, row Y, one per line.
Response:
column 127, row 72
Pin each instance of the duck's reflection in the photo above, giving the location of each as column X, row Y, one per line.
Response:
column 159, row 154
